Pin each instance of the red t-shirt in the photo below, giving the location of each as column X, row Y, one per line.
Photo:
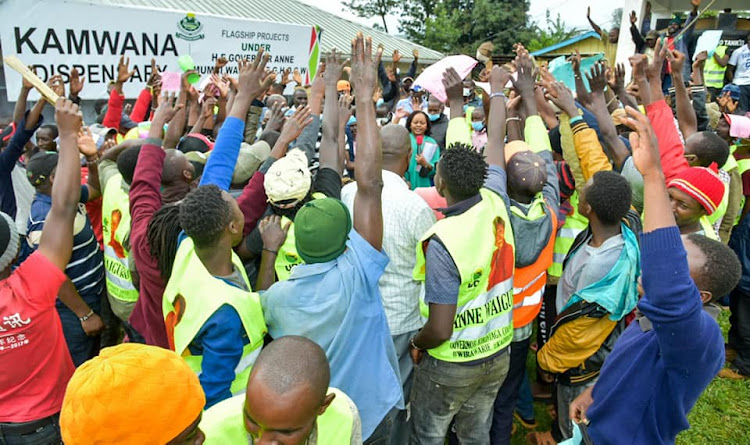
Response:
column 35, row 364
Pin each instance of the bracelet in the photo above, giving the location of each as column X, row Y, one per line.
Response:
column 497, row 94
column 513, row 118
column 87, row 316
column 275, row 252
column 413, row 345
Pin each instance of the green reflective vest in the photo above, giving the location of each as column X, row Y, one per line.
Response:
column 115, row 229
column 223, row 423
column 715, row 218
column 288, row 258
column 480, row 241
column 713, row 73
column 193, row 295
column 575, row 223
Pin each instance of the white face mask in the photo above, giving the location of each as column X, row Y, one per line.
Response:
column 467, row 92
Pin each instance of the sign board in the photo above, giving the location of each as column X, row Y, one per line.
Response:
column 57, row 36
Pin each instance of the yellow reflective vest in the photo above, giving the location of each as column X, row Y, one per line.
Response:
column 288, row 258
column 191, row 298
column 223, row 423
column 480, row 241
column 115, row 230
column 574, row 224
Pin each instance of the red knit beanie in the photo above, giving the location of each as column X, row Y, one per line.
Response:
column 703, row 184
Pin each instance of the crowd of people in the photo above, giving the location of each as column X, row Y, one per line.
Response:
column 370, row 264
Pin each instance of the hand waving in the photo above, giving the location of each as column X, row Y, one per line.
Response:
column 76, row 83
column 363, row 67
column 123, row 74
column 334, row 66
column 86, row 144
column 254, row 80
column 68, row 118
column 295, row 124
column 597, row 78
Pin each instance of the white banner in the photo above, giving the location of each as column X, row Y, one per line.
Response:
column 57, row 36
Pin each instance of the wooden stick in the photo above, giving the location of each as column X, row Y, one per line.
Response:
column 46, row 92
column 679, row 35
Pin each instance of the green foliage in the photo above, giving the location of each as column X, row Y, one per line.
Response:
column 373, row 8
column 555, row 32
column 460, row 26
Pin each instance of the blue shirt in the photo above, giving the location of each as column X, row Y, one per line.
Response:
column 337, row 305
column 86, row 266
column 220, row 165
column 656, row 371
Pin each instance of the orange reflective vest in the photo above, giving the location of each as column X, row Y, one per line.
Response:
column 529, row 281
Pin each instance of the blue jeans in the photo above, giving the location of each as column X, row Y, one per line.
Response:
column 81, row 346
column 46, row 434
column 443, row 390
column 525, row 403
column 505, row 402
column 401, row 423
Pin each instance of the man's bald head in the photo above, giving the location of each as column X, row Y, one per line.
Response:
column 396, row 147
column 272, row 99
column 290, row 363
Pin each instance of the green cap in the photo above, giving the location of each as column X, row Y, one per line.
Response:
column 321, row 229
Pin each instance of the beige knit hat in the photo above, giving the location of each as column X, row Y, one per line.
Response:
column 288, row 180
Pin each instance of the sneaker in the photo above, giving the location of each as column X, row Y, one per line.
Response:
column 732, row 374
column 529, row 424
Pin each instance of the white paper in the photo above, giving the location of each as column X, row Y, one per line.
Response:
column 708, row 41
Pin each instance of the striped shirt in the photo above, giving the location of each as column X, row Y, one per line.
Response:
column 86, row 266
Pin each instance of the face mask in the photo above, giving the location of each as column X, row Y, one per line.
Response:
column 466, row 107
column 433, row 117
column 478, row 126
column 467, row 92
column 379, row 103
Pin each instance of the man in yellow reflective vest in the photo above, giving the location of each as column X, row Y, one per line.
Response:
column 287, row 400
column 713, row 71
column 466, row 261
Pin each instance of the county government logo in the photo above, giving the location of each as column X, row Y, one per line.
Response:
column 189, row 28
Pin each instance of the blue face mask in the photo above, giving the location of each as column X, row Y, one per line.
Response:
column 379, row 102
column 433, row 117
column 478, row 126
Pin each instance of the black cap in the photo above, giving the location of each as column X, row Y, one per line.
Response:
column 40, row 167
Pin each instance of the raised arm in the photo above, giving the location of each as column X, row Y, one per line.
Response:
column 87, row 147
column 254, row 79
column 638, row 39
column 116, row 97
column 594, row 26
column 20, row 109
column 685, row 114
column 57, row 237
column 368, row 214
column 495, row 149
column 309, row 136
column 330, row 155
column 611, row 142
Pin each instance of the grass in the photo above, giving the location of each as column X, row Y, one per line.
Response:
column 721, row 415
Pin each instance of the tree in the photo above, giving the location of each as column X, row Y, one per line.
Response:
column 460, row 26
column 616, row 18
column 373, row 8
column 555, row 32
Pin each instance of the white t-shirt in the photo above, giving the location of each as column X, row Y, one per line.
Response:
column 741, row 59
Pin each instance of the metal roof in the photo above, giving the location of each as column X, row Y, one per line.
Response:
column 565, row 43
column 337, row 31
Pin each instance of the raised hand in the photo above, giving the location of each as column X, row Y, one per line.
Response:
column 220, row 63
column 318, row 87
column 285, row 76
column 207, row 110
column 563, row 98
column 275, row 117
column 127, row 109
column 334, row 66
column 638, row 62
column 254, row 80
column 345, row 108
column 617, row 81
column 643, row 143
column 295, row 124
column 67, row 117
column 297, row 76
column 524, row 82
column 25, row 83
column 396, row 57
column 454, row 85
column 56, row 83
column 633, row 18
column 163, row 115
column 154, row 79
column 401, row 113
column 676, row 60
column 222, row 86
column 76, row 83
column 185, row 86
column 597, row 78
column 499, row 77
column 415, row 53
column 232, row 81
column 653, row 70
column 363, row 68
column 123, row 73
column 588, row 12
column 86, row 144
column 416, row 103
